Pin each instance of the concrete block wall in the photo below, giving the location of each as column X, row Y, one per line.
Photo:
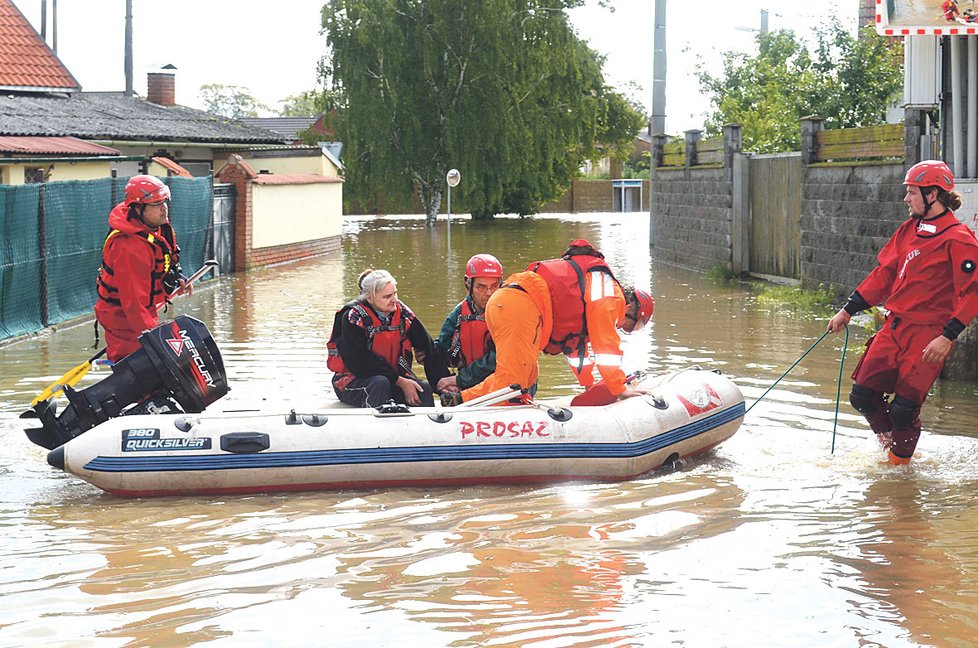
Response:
column 847, row 215
column 692, row 215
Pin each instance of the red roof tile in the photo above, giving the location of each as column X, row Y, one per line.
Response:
column 172, row 167
column 294, row 179
column 26, row 62
column 52, row 146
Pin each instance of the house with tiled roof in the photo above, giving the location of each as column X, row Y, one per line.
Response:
column 51, row 130
column 41, row 99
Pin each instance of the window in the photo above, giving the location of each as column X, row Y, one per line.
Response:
column 33, row 175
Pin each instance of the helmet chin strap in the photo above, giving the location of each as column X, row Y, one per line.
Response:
column 927, row 205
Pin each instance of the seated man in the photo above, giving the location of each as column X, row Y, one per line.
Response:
column 464, row 340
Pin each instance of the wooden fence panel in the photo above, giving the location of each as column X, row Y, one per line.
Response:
column 872, row 142
column 775, row 206
column 674, row 154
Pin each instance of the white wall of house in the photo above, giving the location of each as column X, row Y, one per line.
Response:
column 292, row 213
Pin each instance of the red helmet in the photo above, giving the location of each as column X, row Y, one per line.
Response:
column 645, row 307
column 930, row 173
column 145, row 189
column 483, row 265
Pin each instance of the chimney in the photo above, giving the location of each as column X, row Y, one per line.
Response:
column 161, row 86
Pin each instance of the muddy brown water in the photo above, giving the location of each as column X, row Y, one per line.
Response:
column 770, row 540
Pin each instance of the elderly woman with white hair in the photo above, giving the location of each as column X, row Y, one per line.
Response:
column 374, row 341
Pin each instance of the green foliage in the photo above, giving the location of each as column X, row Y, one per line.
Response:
column 304, row 104
column 849, row 81
column 819, row 299
column 502, row 90
column 230, row 101
column 721, row 274
column 638, row 166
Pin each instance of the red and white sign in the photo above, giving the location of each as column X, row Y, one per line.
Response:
column 914, row 18
column 699, row 400
column 176, row 344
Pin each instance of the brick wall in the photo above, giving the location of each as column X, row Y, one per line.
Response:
column 294, row 251
column 592, row 196
column 847, row 214
column 692, row 217
column 588, row 196
column 243, row 216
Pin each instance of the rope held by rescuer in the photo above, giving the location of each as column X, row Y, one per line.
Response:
column 838, row 391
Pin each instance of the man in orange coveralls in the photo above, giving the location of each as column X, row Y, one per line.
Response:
column 140, row 265
column 560, row 306
column 926, row 274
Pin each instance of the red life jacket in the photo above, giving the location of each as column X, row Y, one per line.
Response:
column 471, row 338
column 565, row 279
column 166, row 267
column 389, row 341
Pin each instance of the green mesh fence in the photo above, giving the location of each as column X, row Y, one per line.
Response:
column 190, row 215
column 20, row 261
column 51, row 239
column 75, row 224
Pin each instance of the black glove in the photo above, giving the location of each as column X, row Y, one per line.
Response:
column 450, row 399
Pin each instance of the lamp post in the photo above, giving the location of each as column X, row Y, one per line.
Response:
column 453, row 177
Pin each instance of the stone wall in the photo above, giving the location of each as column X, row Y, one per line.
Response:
column 692, row 213
column 847, row 214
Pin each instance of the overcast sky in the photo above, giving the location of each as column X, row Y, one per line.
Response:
column 273, row 48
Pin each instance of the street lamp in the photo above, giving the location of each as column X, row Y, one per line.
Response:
column 453, row 177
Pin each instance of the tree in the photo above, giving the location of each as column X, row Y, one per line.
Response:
column 230, row 101
column 502, row 90
column 303, row 104
column 849, row 81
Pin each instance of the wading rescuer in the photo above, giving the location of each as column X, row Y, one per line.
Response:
column 140, row 266
column 926, row 276
column 561, row 306
column 464, row 339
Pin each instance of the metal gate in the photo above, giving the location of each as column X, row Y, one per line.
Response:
column 775, row 207
column 222, row 231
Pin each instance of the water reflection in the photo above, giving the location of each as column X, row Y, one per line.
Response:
column 771, row 540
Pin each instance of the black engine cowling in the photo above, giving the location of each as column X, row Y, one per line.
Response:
column 178, row 359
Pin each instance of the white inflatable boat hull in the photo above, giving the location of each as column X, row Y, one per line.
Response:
column 687, row 413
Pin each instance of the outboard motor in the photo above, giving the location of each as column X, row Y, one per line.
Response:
column 178, row 359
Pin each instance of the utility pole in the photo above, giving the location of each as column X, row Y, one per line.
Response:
column 657, row 124
column 128, row 59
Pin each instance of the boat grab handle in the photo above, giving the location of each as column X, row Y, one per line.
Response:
column 245, row 442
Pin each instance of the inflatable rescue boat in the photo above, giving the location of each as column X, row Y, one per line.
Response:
column 183, row 450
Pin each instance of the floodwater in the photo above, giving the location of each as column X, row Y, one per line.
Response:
column 773, row 539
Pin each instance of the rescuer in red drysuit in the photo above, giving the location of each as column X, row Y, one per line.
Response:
column 140, row 266
column 926, row 276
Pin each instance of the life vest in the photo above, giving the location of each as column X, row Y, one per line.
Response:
column 389, row 341
column 471, row 340
column 164, row 278
column 565, row 280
